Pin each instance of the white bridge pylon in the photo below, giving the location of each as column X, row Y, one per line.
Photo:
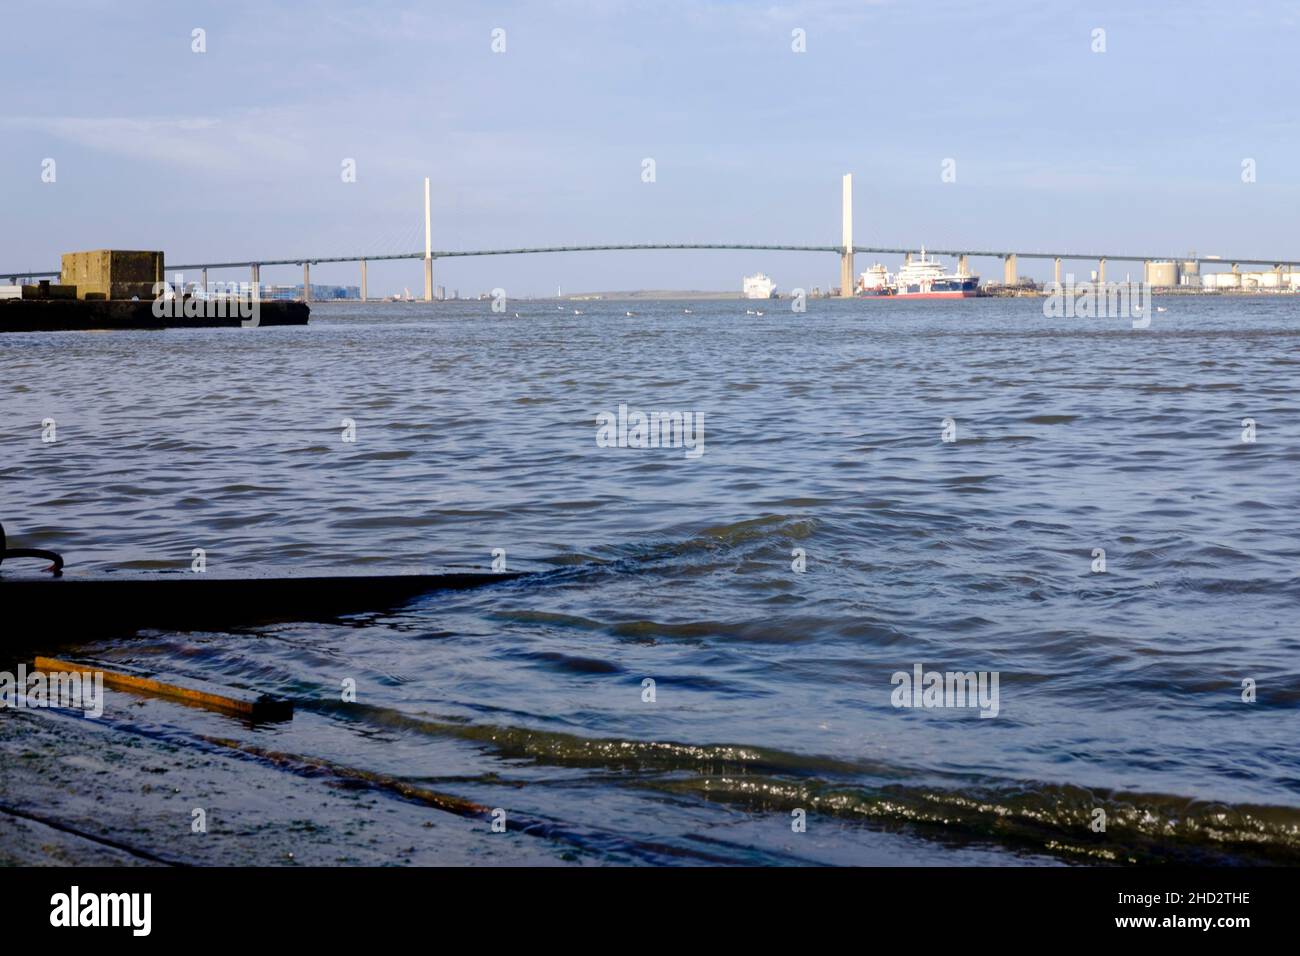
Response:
column 846, row 257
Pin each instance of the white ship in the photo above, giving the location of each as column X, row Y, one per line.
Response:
column 875, row 281
column 925, row 278
column 759, row 286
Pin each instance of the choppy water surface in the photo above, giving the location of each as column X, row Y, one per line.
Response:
column 822, row 432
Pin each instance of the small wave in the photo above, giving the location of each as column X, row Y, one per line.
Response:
column 1051, row 419
column 386, row 455
column 1053, row 818
column 569, row 664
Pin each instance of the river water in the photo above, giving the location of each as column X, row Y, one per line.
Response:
column 1120, row 694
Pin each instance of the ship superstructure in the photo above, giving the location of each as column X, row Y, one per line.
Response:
column 922, row 277
column 759, row 286
column 925, row 278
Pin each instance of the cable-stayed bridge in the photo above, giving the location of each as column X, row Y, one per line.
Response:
column 845, row 250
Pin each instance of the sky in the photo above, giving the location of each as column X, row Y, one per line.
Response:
column 238, row 152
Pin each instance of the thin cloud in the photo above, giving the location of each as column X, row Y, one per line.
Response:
column 205, row 143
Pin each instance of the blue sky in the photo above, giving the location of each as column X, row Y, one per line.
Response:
column 236, row 153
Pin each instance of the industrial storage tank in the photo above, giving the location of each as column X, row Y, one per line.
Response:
column 1227, row 280
column 1268, row 280
column 1163, row 275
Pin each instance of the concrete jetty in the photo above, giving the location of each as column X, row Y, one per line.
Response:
column 110, row 289
column 81, row 315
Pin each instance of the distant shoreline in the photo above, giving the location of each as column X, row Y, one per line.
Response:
column 626, row 295
column 680, row 295
column 656, row 294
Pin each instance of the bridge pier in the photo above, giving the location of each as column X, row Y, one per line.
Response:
column 846, row 257
column 1056, row 271
column 306, row 282
column 1101, row 271
column 204, row 274
column 428, row 246
column 255, row 285
column 1009, row 269
column 963, row 265
column 363, row 280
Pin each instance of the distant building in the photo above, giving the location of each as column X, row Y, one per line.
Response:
column 758, row 286
column 319, row 293
column 335, row 292
column 1270, row 281
column 1162, row 275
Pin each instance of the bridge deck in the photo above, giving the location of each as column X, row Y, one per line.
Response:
column 737, row 247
